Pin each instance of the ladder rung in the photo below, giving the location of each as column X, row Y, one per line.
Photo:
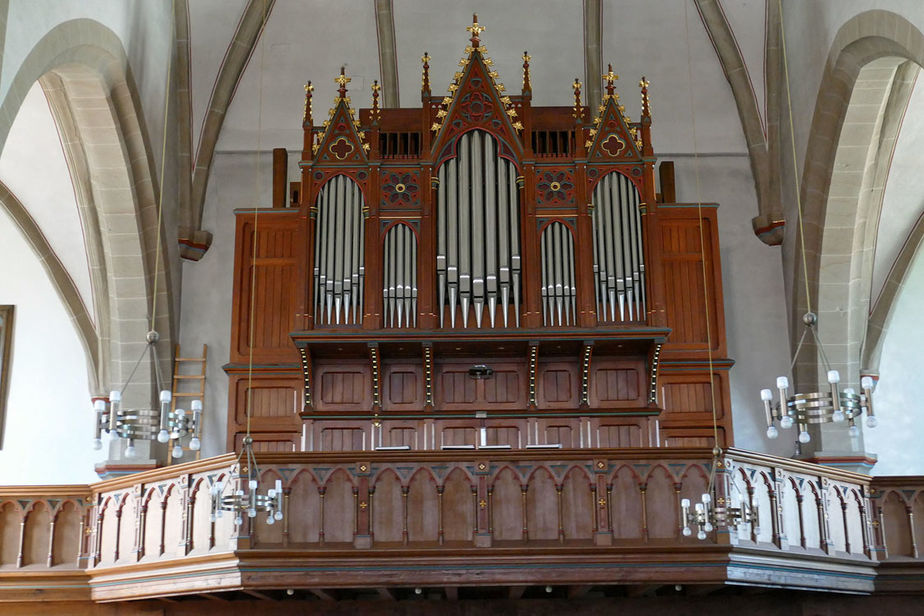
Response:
column 197, row 393
column 198, row 359
column 189, row 376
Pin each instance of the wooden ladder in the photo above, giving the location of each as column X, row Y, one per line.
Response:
column 188, row 385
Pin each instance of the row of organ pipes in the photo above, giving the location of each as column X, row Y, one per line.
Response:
column 339, row 270
column 478, row 234
column 478, row 250
column 619, row 265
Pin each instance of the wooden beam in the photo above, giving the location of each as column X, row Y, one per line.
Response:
column 642, row 590
column 322, row 594
column 515, row 592
column 259, row 595
column 386, row 594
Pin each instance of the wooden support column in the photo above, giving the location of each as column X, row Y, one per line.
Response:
column 584, row 257
column 531, row 300
column 481, row 495
column 603, row 533
column 362, row 540
column 427, row 316
column 373, row 258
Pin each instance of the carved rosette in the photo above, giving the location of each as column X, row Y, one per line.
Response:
column 555, row 187
column 400, row 188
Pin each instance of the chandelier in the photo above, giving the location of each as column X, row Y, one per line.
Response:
column 243, row 497
column 832, row 405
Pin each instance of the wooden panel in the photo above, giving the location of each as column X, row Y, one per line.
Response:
column 562, row 434
column 173, row 532
column 127, row 530
column 691, row 437
column 685, row 293
column 401, row 387
column 342, row 439
column 399, row 437
column 271, row 442
column 661, row 505
column 503, row 435
column 507, row 507
column 502, row 388
column 458, row 513
column 201, row 524
column 388, row 509
column 898, row 529
column 339, row 512
column 422, row 525
column 67, row 535
column 542, row 517
column 577, row 506
column 626, row 508
column 9, row 533
column 36, row 535
column 616, row 383
column 153, row 526
column 456, row 387
column 304, row 528
column 275, row 400
column 269, row 284
column 619, row 435
column 342, row 387
column 457, row 436
column 558, row 385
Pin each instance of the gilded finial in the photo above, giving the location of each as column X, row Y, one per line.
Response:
column 476, row 29
column 343, row 80
column 646, row 103
column 526, row 85
column 376, row 113
column 309, row 89
column 578, row 109
column 425, row 78
column 610, row 78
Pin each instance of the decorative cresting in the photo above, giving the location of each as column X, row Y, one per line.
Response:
column 619, row 263
column 399, row 288
column 339, row 268
column 558, row 288
column 478, row 234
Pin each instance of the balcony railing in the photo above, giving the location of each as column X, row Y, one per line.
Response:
column 482, row 517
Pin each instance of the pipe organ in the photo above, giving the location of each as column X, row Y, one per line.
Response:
column 477, row 273
column 478, row 243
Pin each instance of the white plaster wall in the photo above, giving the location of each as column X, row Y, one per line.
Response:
column 207, row 284
column 897, row 440
column 48, row 418
column 33, row 143
column 752, row 280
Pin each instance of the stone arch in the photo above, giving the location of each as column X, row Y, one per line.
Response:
column 842, row 187
column 83, row 68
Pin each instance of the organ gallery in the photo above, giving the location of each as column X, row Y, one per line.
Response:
column 477, row 349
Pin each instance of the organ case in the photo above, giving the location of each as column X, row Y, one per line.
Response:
column 478, row 273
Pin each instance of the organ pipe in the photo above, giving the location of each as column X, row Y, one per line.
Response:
column 339, row 271
column 478, row 226
column 558, row 284
column 399, row 289
column 619, row 267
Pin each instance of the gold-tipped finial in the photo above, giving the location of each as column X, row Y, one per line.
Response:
column 376, row 113
column 425, row 77
column 526, row 85
column 610, row 78
column 476, row 29
column 343, row 80
column 578, row 108
column 646, row 103
column 309, row 89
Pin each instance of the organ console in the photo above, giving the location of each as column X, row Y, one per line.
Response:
column 478, row 273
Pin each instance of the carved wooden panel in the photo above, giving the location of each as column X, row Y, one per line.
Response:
column 458, row 513
column 36, row 535
column 541, row 519
column 275, row 406
column 456, row 390
column 339, row 511
column 578, row 506
column 626, row 505
column 388, row 510
column 422, row 527
column 507, row 507
column 661, row 504
column 691, row 437
column 66, row 538
column 618, row 435
column 343, row 439
column 503, row 435
column 457, row 436
column 402, row 387
column 456, row 387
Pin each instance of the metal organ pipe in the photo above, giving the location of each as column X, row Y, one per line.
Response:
column 558, row 284
column 339, row 271
column 619, row 267
column 399, row 287
column 478, row 234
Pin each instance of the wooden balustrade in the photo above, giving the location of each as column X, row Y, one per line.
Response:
column 416, row 516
